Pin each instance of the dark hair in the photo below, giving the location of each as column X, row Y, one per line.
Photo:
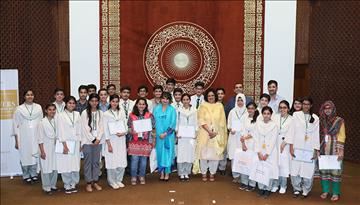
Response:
column 171, row 80
column 292, row 109
column 178, row 90
column 26, row 91
column 112, row 97
column 126, row 87
column 286, row 103
column 256, row 114
column 184, row 95
column 88, row 108
column 158, row 87
column 272, row 82
column 222, row 89
column 102, row 89
column 167, row 95
column 209, row 91
column 58, row 90
column 135, row 110
column 109, row 86
column 266, row 108
column 68, row 99
column 91, row 86
column 47, row 106
column 307, row 98
column 82, row 87
column 200, row 83
column 142, row 87
column 264, row 95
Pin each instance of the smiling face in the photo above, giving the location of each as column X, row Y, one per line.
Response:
column 297, row 105
column 251, row 110
column 221, row 95
column 283, row 109
column 238, row 88
column 70, row 105
column 141, row 105
column 211, row 97
column 29, row 97
column 199, row 90
column 264, row 102
column 328, row 110
column 111, row 90
column 177, row 96
column 59, row 96
column 170, row 87
column 272, row 88
column 306, row 106
column 157, row 93
column 114, row 103
column 50, row 111
column 266, row 115
column 186, row 101
column 142, row 93
column 164, row 101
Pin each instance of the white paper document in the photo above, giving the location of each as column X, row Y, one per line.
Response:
column 329, row 162
column 243, row 161
column 116, row 127
column 142, row 125
column 153, row 161
column 261, row 172
column 303, row 155
column 236, row 125
column 59, row 148
column 186, row 131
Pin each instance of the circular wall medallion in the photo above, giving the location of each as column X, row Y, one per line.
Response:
column 184, row 51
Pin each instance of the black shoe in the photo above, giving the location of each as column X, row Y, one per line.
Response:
column 296, row 194
column 55, row 189
column 187, row 178
column 49, row 193
column 242, row 186
column 266, row 194
column 35, row 179
column 261, row 192
column 303, row 196
column 222, row 172
column 250, row 188
column 28, row 181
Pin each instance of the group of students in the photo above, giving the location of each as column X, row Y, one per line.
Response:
column 198, row 132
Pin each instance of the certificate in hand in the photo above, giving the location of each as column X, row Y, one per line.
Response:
column 59, row 148
column 329, row 162
column 142, row 125
column 186, row 131
column 236, row 125
column 243, row 161
column 303, row 155
column 116, row 127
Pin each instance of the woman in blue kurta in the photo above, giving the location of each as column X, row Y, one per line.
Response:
column 165, row 119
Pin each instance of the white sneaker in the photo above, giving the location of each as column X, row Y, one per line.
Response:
column 120, row 184
column 274, row 189
column 282, row 190
column 114, row 186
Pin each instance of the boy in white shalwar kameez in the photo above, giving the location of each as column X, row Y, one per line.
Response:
column 26, row 119
column 46, row 136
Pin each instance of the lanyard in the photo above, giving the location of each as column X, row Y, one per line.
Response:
column 94, row 120
column 282, row 123
column 307, row 123
column 72, row 120
column 238, row 115
column 30, row 113
column 52, row 125
column 60, row 106
column 115, row 116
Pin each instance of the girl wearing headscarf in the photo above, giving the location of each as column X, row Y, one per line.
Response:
column 332, row 140
column 236, row 117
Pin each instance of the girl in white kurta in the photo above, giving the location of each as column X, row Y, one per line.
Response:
column 285, row 138
column 265, row 137
column 26, row 118
column 248, row 145
column 69, row 127
column 115, row 145
column 235, row 121
column 46, row 137
column 306, row 137
column 187, row 117
column 92, row 130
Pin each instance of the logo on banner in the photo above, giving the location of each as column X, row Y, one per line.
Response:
column 8, row 103
column 184, row 51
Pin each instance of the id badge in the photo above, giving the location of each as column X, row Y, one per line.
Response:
column 264, row 146
column 327, row 137
column 307, row 138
